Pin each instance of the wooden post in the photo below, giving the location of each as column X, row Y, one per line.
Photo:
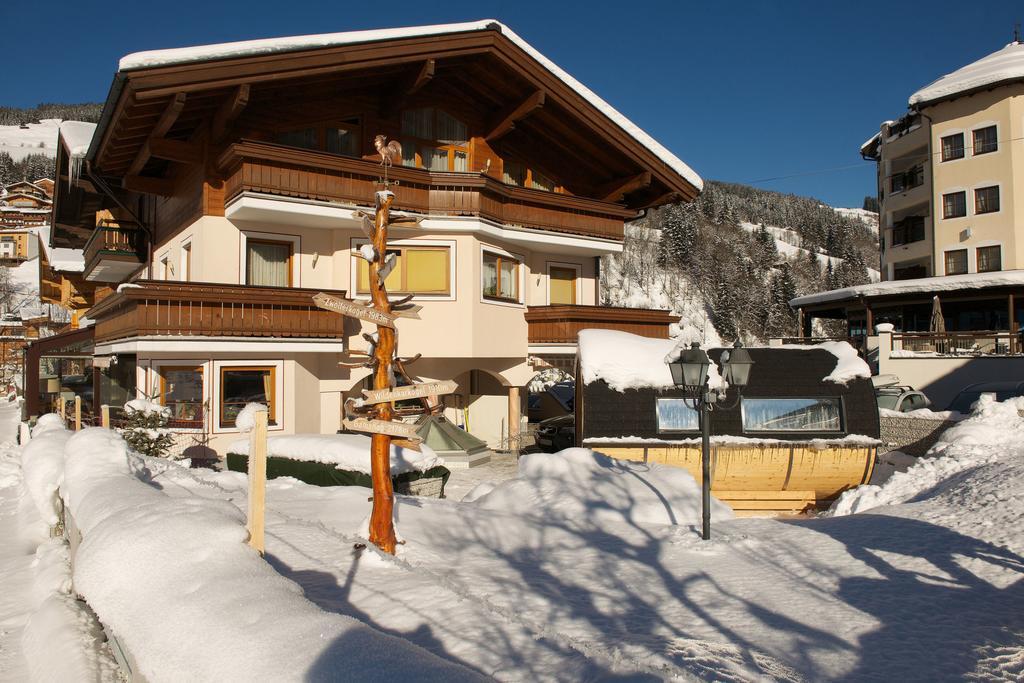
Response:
column 62, row 409
column 105, row 416
column 257, row 481
column 382, row 526
column 78, row 413
column 514, row 416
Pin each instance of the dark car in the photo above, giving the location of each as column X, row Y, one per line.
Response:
column 556, row 433
column 1003, row 390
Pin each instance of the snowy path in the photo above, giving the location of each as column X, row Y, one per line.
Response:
column 865, row 597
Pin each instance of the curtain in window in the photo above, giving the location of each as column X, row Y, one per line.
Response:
column 419, row 123
column 342, row 141
column 490, row 275
column 268, row 264
column 563, row 286
column 241, row 386
column 461, row 161
column 514, row 174
column 426, row 270
column 434, row 159
column 508, row 281
column 989, row 259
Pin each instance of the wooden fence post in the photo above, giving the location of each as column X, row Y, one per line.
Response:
column 62, row 409
column 105, row 416
column 257, row 481
column 25, row 434
column 78, row 413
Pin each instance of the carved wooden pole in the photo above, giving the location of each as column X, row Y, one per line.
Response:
column 382, row 528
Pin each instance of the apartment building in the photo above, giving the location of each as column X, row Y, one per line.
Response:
column 224, row 187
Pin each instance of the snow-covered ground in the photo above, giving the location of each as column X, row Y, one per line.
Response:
column 580, row 568
column 37, row 138
column 870, row 218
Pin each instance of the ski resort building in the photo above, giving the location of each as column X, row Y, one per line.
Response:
column 224, row 186
column 951, row 233
column 25, row 204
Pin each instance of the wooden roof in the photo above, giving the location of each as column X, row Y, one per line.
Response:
column 526, row 110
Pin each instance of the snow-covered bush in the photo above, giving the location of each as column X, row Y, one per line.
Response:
column 146, row 430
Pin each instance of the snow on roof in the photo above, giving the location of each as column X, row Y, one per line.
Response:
column 249, row 48
column 77, row 135
column 627, row 361
column 871, row 141
column 62, row 258
column 946, row 283
column 1000, row 66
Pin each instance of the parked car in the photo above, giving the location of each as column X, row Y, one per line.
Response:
column 556, row 433
column 891, row 395
column 1003, row 390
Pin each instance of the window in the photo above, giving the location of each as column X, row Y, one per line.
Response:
column 268, row 263
column 956, row 262
column 908, row 230
column 343, row 138
column 419, row 270
column 181, row 390
column 242, row 385
column 562, row 285
column 953, row 147
column 674, row 415
column 539, row 181
column 186, row 262
column 990, row 259
column 432, row 138
column 954, row 205
column 907, row 180
column 985, row 140
column 986, row 200
column 165, row 267
column 792, row 414
column 514, row 173
column 517, row 173
column 337, row 137
column 306, row 138
column 909, row 272
column 500, row 277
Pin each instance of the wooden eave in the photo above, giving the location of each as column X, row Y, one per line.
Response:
column 148, row 93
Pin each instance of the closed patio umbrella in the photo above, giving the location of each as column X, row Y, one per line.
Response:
column 937, row 326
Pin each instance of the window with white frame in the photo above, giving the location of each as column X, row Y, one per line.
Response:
column 562, row 284
column 243, row 384
column 822, row 414
column 500, row 277
column 419, row 269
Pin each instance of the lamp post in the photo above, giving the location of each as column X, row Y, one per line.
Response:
column 690, row 372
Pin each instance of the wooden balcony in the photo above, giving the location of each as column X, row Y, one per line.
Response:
column 560, row 324
column 114, row 251
column 288, row 172
column 188, row 309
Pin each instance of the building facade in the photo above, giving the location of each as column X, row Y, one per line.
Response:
column 224, row 188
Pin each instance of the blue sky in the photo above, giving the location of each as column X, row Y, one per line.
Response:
column 741, row 91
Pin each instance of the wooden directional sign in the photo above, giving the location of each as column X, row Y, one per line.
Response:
column 352, row 309
column 411, row 391
column 399, row 429
column 411, row 311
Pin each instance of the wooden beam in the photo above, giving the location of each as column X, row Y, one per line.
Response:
column 229, row 111
column 163, row 125
column 617, row 189
column 176, row 150
column 136, row 183
column 391, row 103
column 507, row 122
column 661, row 200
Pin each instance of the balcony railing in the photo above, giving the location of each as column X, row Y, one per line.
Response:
column 114, row 251
column 288, row 172
column 907, row 180
column 151, row 307
column 560, row 324
column 983, row 343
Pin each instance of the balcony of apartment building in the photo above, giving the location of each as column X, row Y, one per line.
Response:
column 907, row 185
column 263, row 182
column 208, row 313
column 907, row 244
column 114, row 251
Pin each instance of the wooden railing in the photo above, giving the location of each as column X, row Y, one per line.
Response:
column 982, row 343
column 288, row 172
column 117, row 241
column 150, row 307
column 561, row 323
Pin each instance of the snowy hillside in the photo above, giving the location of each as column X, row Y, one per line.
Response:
column 789, row 244
column 869, row 218
column 36, row 138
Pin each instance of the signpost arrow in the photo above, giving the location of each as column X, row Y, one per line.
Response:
column 410, row 391
column 352, row 309
column 399, row 429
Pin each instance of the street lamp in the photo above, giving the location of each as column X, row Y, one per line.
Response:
column 690, row 373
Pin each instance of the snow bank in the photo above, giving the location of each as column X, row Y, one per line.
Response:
column 346, row 451
column 174, row 579
column 42, row 464
column 924, row 414
column 246, row 48
column 581, row 485
column 1002, row 65
column 47, row 422
column 992, row 430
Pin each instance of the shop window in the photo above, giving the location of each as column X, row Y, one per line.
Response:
column 792, row 414
column 242, row 385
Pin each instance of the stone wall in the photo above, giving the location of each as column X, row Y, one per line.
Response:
column 912, row 435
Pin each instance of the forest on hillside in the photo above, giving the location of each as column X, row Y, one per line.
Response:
column 84, row 111
column 29, row 167
column 697, row 260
